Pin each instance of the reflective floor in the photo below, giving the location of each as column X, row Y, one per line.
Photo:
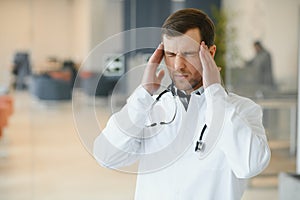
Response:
column 42, row 157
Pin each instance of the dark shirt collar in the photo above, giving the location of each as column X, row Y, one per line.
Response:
column 185, row 98
column 183, row 94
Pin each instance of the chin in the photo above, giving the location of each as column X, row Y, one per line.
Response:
column 183, row 86
column 186, row 86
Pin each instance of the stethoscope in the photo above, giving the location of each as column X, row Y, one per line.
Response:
column 200, row 145
column 171, row 89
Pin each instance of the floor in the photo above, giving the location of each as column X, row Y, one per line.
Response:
column 44, row 158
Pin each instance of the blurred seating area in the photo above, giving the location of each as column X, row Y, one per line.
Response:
column 54, row 81
column 96, row 84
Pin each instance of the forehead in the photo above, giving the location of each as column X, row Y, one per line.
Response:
column 187, row 41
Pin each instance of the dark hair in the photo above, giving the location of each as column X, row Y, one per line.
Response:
column 258, row 43
column 183, row 20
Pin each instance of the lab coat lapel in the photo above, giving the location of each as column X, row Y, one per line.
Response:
column 185, row 137
column 187, row 132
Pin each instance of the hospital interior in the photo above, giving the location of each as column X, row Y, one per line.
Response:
column 67, row 65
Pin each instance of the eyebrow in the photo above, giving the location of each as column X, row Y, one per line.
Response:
column 169, row 52
column 185, row 52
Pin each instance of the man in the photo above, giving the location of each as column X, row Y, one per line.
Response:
column 205, row 149
column 262, row 63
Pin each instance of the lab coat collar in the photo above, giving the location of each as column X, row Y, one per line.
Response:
column 198, row 91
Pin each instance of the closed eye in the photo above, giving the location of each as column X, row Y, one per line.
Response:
column 190, row 54
column 170, row 54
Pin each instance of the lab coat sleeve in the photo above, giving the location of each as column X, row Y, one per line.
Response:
column 242, row 138
column 121, row 142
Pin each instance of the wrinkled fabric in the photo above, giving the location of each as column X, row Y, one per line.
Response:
column 169, row 167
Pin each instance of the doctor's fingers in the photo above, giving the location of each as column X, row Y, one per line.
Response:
column 211, row 73
column 154, row 62
column 157, row 56
column 208, row 63
column 151, row 81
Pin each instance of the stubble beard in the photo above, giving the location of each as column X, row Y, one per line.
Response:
column 187, row 86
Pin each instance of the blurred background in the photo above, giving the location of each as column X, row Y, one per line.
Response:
column 45, row 45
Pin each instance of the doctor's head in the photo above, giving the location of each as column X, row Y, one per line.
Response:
column 182, row 33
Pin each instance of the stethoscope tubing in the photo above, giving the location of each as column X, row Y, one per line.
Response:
column 169, row 89
column 200, row 145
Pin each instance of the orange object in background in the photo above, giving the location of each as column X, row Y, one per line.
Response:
column 8, row 100
column 62, row 75
column 86, row 74
column 6, row 110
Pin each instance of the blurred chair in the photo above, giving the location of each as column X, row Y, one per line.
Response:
column 70, row 65
column 56, row 85
column 95, row 84
column 6, row 110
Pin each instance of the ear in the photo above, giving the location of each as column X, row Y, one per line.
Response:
column 212, row 50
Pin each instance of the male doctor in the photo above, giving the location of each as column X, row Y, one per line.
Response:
column 196, row 141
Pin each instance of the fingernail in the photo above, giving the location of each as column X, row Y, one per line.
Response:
column 160, row 45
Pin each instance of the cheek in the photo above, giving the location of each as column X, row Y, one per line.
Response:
column 195, row 65
column 196, row 72
column 169, row 62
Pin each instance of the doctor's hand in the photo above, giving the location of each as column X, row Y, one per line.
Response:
column 211, row 72
column 151, row 80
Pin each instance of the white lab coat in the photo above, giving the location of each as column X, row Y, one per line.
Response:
column 169, row 167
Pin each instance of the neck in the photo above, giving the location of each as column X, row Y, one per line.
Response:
column 188, row 91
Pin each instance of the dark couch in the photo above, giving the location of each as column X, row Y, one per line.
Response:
column 95, row 84
column 52, row 86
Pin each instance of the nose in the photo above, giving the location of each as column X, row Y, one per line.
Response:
column 179, row 62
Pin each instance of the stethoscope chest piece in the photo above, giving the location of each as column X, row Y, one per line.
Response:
column 200, row 146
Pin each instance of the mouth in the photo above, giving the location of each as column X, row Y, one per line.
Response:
column 180, row 76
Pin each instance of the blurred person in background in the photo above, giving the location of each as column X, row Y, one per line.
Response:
column 262, row 64
column 21, row 69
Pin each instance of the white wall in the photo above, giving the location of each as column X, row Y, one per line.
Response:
column 15, row 33
column 81, row 29
column 275, row 23
column 39, row 26
column 106, row 20
column 52, row 29
column 61, row 28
